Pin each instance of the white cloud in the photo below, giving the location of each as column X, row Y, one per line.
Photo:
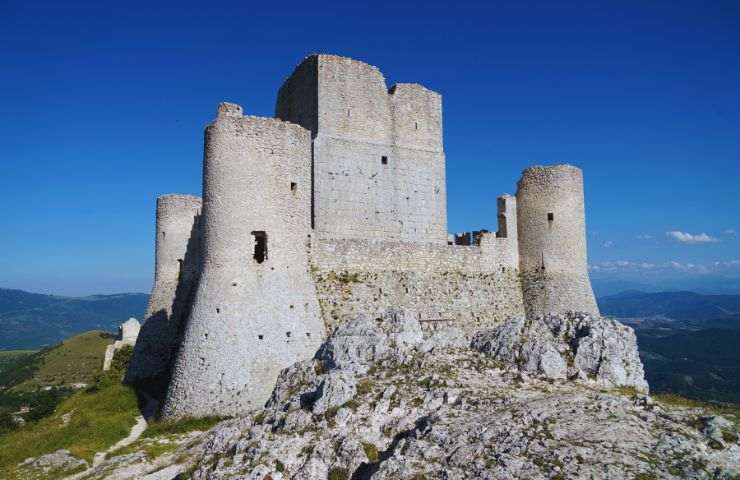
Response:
column 728, row 266
column 685, row 237
column 620, row 266
column 643, row 236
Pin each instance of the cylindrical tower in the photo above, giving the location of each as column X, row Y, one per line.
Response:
column 255, row 311
column 552, row 240
column 175, row 276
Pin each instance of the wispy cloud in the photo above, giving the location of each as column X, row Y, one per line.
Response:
column 621, row 266
column 669, row 266
column 608, row 244
column 730, row 232
column 643, row 236
column 685, row 237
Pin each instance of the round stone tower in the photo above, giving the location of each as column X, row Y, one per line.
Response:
column 552, row 240
column 177, row 246
column 255, row 310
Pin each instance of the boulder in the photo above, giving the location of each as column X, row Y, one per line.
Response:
column 571, row 345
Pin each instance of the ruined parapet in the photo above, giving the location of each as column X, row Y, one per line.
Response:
column 255, row 310
column 552, row 241
column 175, row 276
column 378, row 158
column 128, row 332
column 502, row 248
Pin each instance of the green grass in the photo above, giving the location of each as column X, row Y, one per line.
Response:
column 97, row 420
column 727, row 410
column 89, row 421
column 76, row 360
column 185, row 425
column 337, row 473
column 371, row 452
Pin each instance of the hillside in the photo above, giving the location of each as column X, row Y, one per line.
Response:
column 32, row 320
column 704, row 364
column 687, row 306
column 688, row 341
column 76, row 360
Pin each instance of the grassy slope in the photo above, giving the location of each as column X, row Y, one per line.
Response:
column 76, row 360
column 11, row 358
column 89, row 421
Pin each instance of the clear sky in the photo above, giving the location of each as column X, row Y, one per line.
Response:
column 103, row 104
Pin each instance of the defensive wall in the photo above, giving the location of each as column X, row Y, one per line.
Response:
column 337, row 208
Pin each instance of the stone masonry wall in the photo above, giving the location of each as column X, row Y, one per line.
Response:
column 552, row 240
column 378, row 161
column 253, row 313
column 470, row 285
column 177, row 263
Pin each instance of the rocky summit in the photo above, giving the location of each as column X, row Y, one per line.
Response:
column 557, row 397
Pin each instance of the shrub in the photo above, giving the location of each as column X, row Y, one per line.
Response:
column 337, row 473
column 371, row 452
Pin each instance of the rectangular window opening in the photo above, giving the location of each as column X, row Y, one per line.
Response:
column 293, row 187
column 384, row 160
column 260, row 246
column 550, row 217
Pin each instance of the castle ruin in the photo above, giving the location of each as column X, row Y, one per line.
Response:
column 334, row 208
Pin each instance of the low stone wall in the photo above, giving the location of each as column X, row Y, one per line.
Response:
column 470, row 286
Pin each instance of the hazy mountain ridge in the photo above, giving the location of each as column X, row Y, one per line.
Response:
column 33, row 320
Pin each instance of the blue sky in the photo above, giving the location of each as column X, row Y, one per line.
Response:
column 104, row 103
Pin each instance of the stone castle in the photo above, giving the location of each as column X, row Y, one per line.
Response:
column 337, row 208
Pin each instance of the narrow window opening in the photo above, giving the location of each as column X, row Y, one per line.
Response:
column 416, row 125
column 287, row 334
column 218, row 310
column 550, row 217
column 293, row 187
column 233, row 284
column 164, row 234
column 260, row 246
column 308, row 334
column 260, row 337
column 384, row 160
column 179, row 269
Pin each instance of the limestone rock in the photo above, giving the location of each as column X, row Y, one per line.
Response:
column 355, row 345
column 60, row 461
column 570, row 345
column 378, row 404
column 335, row 389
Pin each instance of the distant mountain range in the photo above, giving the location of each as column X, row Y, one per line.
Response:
column 33, row 320
column 688, row 341
column 688, row 306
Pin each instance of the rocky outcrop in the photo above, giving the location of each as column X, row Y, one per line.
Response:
column 382, row 401
column 568, row 346
column 57, row 463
